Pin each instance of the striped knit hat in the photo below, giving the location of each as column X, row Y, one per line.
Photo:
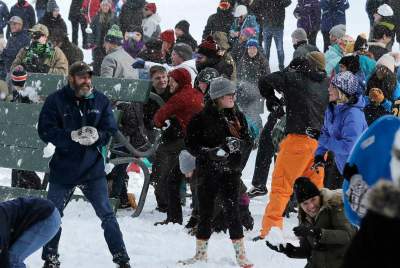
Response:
column 19, row 76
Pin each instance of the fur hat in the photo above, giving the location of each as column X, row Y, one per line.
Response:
column 183, row 25
column 388, row 61
column 114, row 35
column 152, row 7
column 318, row 59
column 221, row 38
column 187, row 162
column 19, row 76
column 220, row 87
column 299, row 34
column 168, row 36
column 184, row 51
column 305, row 189
column 346, row 82
column 208, row 48
column 338, row 31
column 385, row 10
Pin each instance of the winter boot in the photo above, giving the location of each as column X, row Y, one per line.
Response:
column 124, row 265
column 52, row 262
column 201, row 253
column 240, row 252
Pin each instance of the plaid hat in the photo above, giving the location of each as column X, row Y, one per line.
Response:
column 252, row 43
column 208, row 48
column 168, row 36
column 184, row 51
column 40, row 28
column 305, row 189
column 346, row 82
column 19, row 76
column 52, row 6
column 114, row 35
column 299, row 34
column 152, row 7
column 338, row 31
column 220, row 87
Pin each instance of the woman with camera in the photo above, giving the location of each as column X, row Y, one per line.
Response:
column 216, row 137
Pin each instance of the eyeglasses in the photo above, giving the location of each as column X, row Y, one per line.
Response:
column 36, row 35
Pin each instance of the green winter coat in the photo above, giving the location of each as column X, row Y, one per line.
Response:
column 337, row 232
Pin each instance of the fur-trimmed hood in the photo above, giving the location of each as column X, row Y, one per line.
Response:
column 330, row 199
column 384, row 199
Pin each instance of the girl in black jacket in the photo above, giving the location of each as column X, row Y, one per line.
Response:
column 216, row 137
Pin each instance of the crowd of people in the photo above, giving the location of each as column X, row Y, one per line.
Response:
column 215, row 91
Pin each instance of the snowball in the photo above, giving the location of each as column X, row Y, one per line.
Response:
column 89, row 30
column 221, row 152
column 49, row 150
column 108, row 168
column 31, row 93
column 275, row 237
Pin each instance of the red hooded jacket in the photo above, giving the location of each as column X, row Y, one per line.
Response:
column 184, row 104
column 90, row 9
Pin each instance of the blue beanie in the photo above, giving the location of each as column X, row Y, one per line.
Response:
column 346, row 82
column 252, row 43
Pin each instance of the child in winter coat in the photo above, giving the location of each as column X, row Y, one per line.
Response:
column 344, row 122
column 217, row 149
column 324, row 231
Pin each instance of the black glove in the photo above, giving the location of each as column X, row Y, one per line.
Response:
column 273, row 103
column 304, row 231
column 280, row 248
column 349, row 171
column 319, row 161
column 257, row 238
column 217, row 154
column 288, row 250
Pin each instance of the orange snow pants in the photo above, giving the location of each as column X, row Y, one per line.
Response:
column 295, row 159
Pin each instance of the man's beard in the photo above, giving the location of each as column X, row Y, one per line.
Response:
column 83, row 90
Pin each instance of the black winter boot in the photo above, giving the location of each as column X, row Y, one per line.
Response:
column 124, row 265
column 52, row 262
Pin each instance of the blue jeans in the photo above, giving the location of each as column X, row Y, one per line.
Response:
column 33, row 239
column 40, row 13
column 277, row 34
column 97, row 194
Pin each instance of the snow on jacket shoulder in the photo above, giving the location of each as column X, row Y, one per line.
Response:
column 118, row 64
column 62, row 113
column 343, row 124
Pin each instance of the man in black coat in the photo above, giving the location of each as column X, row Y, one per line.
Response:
column 183, row 35
column 26, row 225
column 131, row 14
column 40, row 7
column 52, row 19
column 220, row 21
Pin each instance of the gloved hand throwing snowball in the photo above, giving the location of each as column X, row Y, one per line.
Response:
column 85, row 136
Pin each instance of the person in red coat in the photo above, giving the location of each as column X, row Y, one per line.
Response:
column 90, row 9
column 179, row 110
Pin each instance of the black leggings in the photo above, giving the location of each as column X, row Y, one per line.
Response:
column 228, row 186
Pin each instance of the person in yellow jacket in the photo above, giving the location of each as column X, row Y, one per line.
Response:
column 41, row 56
column 304, row 85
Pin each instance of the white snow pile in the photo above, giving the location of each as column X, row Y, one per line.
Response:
column 49, row 150
column 275, row 237
column 31, row 93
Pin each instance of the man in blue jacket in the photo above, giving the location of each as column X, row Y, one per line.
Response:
column 79, row 121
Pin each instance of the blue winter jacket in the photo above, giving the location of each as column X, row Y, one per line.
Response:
column 332, row 58
column 16, row 216
column 343, row 124
column 62, row 113
column 249, row 22
column 333, row 13
column 308, row 14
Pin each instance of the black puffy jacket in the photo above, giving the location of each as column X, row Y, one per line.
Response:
column 305, row 92
column 131, row 14
column 274, row 12
column 218, row 22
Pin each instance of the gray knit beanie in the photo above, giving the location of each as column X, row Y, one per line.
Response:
column 299, row 34
column 52, row 5
column 220, row 87
column 338, row 31
column 184, row 51
column 187, row 162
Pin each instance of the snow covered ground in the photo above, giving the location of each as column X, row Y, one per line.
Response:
column 82, row 243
